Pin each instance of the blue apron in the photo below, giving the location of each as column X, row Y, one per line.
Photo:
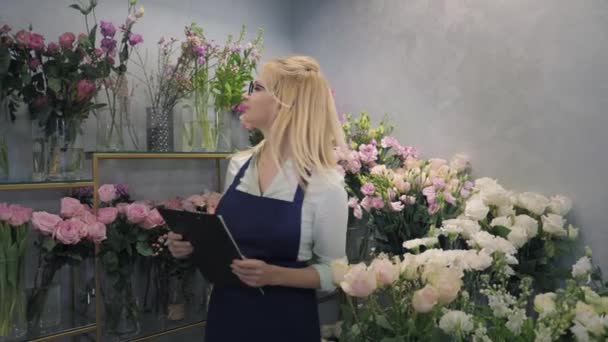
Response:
column 267, row 229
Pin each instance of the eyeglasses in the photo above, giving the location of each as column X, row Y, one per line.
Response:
column 255, row 86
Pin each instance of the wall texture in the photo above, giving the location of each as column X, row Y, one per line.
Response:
column 518, row 85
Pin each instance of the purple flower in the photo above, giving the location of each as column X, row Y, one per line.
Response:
column 438, row 183
column 107, row 29
column 429, row 193
column 135, row 39
column 390, row 142
column 122, row 189
column 108, row 45
column 200, row 50
column 468, row 185
column 368, row 189
column 449, row 198
column 465, row 193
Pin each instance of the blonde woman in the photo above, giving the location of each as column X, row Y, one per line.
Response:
column 286, row 206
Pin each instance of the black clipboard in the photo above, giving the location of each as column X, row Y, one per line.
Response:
column 214, row 246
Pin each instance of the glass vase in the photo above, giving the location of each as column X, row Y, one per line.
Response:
column 121, row 307
column 159, row 128
column 39, row 151
column 115, row 127
column 45, row 302
column 65, row 148
column 188, row 134
column 215, row 130
column 5, row 124
column 13, row 321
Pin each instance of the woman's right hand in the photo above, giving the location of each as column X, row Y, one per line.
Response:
column 179, row 249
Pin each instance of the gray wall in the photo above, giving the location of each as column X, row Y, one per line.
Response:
column 518, row 85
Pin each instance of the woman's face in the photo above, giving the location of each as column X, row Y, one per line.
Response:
column 261, row 107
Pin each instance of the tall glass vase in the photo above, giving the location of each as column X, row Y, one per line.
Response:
column 65, row 148
column 4, row 129
column 13, row 321
column 115, row 126
column 45, row 302
column 121, row 307
column 159, row 127
column 215, row 130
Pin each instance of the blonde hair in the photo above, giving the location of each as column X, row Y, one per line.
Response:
column 307, row 120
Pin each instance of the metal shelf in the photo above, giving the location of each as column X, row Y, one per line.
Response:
column 36, row 185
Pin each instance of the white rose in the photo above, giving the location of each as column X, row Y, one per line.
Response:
column 456, row 323
column 544, row 304
column 464, row 226
column 554, row 225
column 496, row 195
column 476, row 209
column 560, row 205
column 505, row 210
column 533, row 202
column 502, row 221
column 339, row 268
column 484, row 182
column 460, row 162
column 428, row 242
column 527, row 222
column 518, row 236
column 409, row 267
column 582, row 268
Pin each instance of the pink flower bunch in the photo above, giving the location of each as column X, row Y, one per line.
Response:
column 14, row 215
column 74, row 224
column 30, row 40
column 206, row 202
column 144, row 215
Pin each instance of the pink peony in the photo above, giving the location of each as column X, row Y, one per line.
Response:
column 153, row 220
column 122, row 208
column 36, row 42
column 84, row 89
column 45, row 223
column 19, row 215
column 107, row 215
column 107, row 193
column 69, row 232
column 359, row 281
column 425, row 299
column 71, row 207
column 66, row 40
column 96, row 232
column 137, row 212
column 5, row 212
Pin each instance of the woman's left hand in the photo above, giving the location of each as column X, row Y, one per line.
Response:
column 255, row 273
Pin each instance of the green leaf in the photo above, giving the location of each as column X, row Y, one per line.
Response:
column 501, row 231
column 93, row 35
column 383, row 322
column 5, row 60
column 77, row 7
column 55, row 85
column 144, row 248
column 110, row 261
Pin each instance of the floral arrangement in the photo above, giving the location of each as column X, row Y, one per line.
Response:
column 64, row 239
column 13, row 233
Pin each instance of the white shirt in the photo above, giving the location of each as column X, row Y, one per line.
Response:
column 324, row 211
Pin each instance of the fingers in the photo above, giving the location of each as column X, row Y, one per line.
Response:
column 180, row 249
column 251, row 281
column 174, row 236
column 246, row 271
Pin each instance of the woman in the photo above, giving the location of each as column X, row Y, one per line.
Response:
column 286, row 205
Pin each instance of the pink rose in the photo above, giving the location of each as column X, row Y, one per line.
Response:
column 69, row 232
column 87, row 217
column 66, row 40
column 19, row 215
column 425, row 299
column 45, row 223
column 122, row 208
column 36, row 42
column 98, row 52
column 107, row 215
column 107, row 193
column 173, row 203
column 5, row 212
column 386, row 272
column 96, row 232
column 23, row 38
column 52, row 48
column 359, row 281
column 71, row 207
column 153, row 220
column 84, row 89
column 137, row 212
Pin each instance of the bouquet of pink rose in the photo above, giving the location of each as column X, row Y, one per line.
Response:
column 64, row 239
column 130, row 230
column 13, row 233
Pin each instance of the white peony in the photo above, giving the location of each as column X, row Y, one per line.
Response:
column 475, row 208
column 533, row 202
column 456, row 322
column 490, row 243
column 582, row 268
column 527, row 222
column 504, row 221
column 580, row 332
column 587, row 317
column 560, row 205
column 553, row 224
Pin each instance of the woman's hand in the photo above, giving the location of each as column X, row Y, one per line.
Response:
column 255, row 273
column 179, row 249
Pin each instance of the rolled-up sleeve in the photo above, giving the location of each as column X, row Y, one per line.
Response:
column 329, row 231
